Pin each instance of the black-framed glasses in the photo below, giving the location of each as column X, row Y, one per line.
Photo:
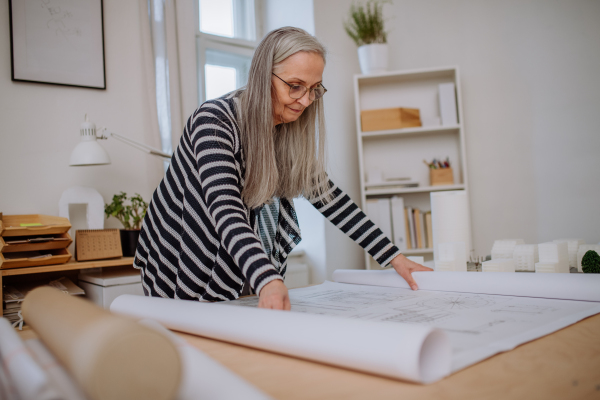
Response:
column 298, row 91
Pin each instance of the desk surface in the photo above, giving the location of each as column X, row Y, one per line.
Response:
column 562, row 365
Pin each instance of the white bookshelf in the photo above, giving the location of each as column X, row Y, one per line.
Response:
column 400, row 152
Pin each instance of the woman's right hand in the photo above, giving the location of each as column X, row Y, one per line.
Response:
column 274, row 295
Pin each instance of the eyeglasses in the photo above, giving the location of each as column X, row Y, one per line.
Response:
column 298, row 91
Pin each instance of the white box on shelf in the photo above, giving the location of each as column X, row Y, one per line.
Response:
column 398, row 222
column 105, row 286
column 447, row 97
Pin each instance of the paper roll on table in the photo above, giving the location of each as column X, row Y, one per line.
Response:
column 401, row 351
column 111, row 357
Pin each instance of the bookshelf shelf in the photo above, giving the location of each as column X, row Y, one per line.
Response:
column 420, row 189
column 410, row 252
column 411, row 131
column 399, row 153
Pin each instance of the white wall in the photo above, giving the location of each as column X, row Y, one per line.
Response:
column 40, row 124
column 531, row 97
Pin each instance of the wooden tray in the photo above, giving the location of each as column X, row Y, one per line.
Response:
column 50, row 225
column 20, row 260
column 35, row 243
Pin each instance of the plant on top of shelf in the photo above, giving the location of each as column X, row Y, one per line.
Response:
column 365, row 27
column 130, row 215
column 590, row 263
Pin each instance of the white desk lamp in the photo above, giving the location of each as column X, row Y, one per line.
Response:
column 89, row 151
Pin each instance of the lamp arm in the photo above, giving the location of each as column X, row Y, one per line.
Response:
column 140, row 146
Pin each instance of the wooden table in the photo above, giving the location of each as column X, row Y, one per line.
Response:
column 562, row 365
column 72, row 266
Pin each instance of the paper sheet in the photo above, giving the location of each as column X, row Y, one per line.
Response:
column 478, row 325
column 404, row 351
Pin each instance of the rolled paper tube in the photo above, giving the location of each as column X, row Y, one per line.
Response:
column 111, row 357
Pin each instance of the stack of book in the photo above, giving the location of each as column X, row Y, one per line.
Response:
column 14, row 294
column 408, row 227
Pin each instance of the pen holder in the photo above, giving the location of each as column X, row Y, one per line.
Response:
column 441, row 176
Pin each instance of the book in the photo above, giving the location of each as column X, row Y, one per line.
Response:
column 398, row 223
column 429, row 229
column 407, row 229
column 411, row 226
column 423, row 231
column 418, row 228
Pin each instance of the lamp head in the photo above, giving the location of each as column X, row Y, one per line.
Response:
column 88, row 151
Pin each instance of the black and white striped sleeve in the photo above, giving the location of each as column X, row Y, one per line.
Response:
column 215, row 145
column 346, row 215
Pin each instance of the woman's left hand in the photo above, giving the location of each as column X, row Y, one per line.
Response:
column 405, row 267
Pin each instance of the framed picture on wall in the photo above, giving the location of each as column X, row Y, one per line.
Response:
column 59, row 42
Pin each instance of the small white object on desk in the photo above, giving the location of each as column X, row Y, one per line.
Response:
column 499, row 265
column 572, row 248
column 554, row 257
column 105, row 286
column 505, row 248
column 526, row 256
column 451, row 257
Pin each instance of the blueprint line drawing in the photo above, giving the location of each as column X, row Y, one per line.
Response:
column 478, row 325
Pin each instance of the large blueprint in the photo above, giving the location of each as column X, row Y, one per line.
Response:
column 478, row 325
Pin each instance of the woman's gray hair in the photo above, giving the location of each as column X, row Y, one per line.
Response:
column 287, row 160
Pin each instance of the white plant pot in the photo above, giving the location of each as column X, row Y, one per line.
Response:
column 373, row 58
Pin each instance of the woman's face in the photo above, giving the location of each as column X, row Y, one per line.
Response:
column 303, row 68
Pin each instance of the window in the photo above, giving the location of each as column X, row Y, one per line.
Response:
column 226, row 40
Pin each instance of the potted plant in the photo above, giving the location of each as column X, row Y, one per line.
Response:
column 365, row 27
column 131, row 216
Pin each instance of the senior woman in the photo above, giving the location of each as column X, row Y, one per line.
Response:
column 222, row 221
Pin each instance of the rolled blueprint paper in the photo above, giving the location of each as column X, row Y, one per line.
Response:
column 548, row 286
column 25, row 377
column 109, row 356
column 450, row 220
column 401, row 351
column 203, row 377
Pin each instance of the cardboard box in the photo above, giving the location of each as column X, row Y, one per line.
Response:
column 389, row 118
column 103, row 287
column 441, row 176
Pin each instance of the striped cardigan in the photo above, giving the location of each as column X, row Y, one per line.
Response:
column 200, row 241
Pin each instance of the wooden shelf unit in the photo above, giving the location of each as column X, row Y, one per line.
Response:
column 400, row 152
column 70, row 266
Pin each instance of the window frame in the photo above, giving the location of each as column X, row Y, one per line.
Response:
column 237, row 46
